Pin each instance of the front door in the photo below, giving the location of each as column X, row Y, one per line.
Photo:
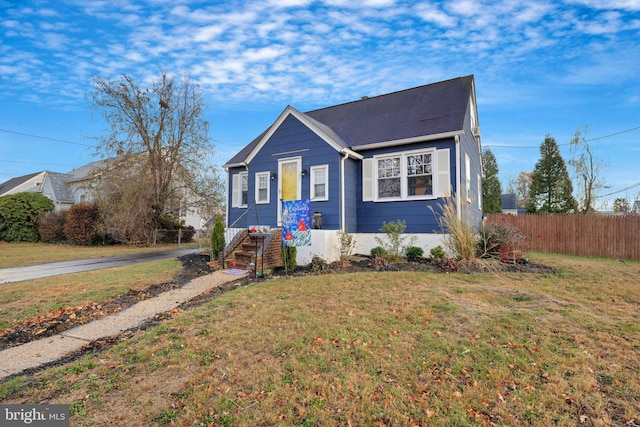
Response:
column 289, row 186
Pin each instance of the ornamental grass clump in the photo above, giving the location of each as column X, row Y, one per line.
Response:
column 460, row 237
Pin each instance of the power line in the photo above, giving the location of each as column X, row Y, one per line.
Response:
column 627, row 188
column 568, row 143
column 45, row 137
column 35, row 163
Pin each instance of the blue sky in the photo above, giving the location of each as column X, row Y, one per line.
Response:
column 541, row 67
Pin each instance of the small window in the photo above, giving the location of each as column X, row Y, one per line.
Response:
column 320, row 182
column 239, row 190
column 262, row 187
column 244, row 180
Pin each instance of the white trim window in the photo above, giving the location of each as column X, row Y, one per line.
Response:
column 411, row 175
column 240, row 190
column 262, row 187
column 319, row 183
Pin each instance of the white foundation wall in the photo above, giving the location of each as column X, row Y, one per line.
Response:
column 324, row 243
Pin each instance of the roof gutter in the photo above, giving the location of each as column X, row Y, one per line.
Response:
column 386, row 144
column 343, row 196
column 458, row 201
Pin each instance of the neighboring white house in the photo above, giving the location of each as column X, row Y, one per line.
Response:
column 67, row 189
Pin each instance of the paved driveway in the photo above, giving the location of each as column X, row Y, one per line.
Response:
column 17, row 274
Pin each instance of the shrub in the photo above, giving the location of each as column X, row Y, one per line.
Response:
column 501, row 241
column 347, row 245
column 51, row 226
column 378, row 251
column 84, row 224
column 394, row 239
column 413, row 253
column 318, row 264
column 217, row 238
column 19, row 216
column 437, row 253
column 288, row 255
column 447, row 265
column 379, row 263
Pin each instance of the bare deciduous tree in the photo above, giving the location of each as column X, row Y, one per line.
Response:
column 161, row 140
column 587, row 171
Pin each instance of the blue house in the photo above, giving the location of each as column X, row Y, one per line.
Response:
column 379, row 159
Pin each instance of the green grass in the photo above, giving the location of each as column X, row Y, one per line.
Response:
column 23, row 300
column 24, row 254
column 390, row 348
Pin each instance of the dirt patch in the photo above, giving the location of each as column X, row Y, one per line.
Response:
column 57, row 321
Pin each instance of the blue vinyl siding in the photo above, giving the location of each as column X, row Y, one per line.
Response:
column 292, row 139
column 419, row 218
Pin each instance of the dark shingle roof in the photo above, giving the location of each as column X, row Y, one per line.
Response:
column 421, row 111
column 14, row 182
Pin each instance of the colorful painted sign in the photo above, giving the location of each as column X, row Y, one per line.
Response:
column 259, row 230
column 296, row 223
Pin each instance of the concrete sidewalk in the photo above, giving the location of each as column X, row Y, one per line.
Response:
column 34, row 354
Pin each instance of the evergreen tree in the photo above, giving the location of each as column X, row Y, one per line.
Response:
column 491, row 186
column 551, row 188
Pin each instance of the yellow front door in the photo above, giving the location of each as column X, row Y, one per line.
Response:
column 289, row 174
column 288, row 182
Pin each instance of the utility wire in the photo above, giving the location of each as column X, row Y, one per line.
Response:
column 637, row 184
column 35, row 163
column 45, row 137
column 568, row 143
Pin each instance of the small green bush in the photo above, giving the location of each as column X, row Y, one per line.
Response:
column 413, row 253
column 288, row 255
column 318, row 264
column 437, row 253
column 393, row 243
column 378, row 251
column 217, row 238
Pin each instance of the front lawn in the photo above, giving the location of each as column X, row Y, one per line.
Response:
column 375, row 348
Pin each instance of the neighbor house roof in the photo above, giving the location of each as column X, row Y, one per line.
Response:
column 433, row 109
column 14, row 182
column 59, row 186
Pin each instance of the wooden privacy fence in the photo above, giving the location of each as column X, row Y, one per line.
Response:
column 607, row 236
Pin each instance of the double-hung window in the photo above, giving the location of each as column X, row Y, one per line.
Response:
column 409, row 175
column 262, row 187
column 404, row 176
column 320, row 183
column 419, row 174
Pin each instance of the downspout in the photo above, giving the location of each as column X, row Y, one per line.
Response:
column 343, row 197
column 458, row 201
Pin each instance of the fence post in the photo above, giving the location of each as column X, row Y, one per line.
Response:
column 179, row 235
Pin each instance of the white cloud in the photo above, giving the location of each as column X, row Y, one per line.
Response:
column 432, row 13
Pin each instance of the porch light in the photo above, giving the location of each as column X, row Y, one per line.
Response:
column 304, row 172
column 273, row 176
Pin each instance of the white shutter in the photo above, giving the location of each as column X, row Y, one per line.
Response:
column 236, row 191
column 367, row 180
column 443, row 173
